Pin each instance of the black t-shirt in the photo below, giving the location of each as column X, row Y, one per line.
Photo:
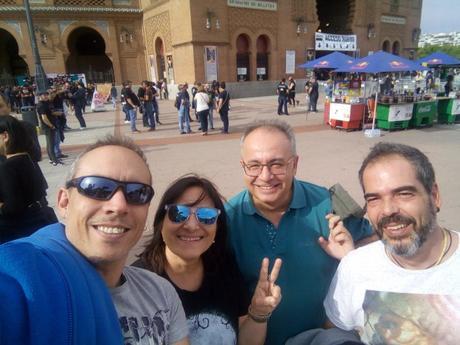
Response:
column 292, row 86
column 132, row 96
column 225, row 97
column 213, row 310
column 44, row 108
column 282, row 89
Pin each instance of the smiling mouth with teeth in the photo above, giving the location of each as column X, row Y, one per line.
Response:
column 189, row 238
column 111, row 229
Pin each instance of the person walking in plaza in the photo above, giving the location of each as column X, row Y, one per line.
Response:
column 69, row 284
column 313, row 95
column 223, row 106
column 132, row 104
column 113, row 95
column 202, row 108
column 156, row 108
column 49, row 126
column 282, row 92
column 278, row 215
column 291, row 91
column 147, row 101
column 140, row 96
column 23, row 205
column 189, row 248
column 79, row 102
column 212, row 105
column 183, row 102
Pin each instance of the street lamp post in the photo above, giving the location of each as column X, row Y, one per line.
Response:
column 40, row 76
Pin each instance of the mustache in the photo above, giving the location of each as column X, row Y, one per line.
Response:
column 396, row 218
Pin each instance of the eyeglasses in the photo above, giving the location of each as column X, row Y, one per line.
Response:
column 275, row 168
column 103, row 188
column 181, row 213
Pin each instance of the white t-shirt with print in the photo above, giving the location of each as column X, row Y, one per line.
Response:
column 388, row 304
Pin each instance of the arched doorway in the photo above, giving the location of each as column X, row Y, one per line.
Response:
column 263, row 49
column 386, row 46
column 242, row 58
column 396, row 48
column 11, row 64
column 335, row 16
column 160, row 58
column 87, row 55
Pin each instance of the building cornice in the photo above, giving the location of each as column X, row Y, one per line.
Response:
column 71, row 9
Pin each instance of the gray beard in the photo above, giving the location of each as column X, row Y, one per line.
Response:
column 418, row 238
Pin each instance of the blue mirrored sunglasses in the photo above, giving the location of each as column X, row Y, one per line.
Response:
column 181, row 213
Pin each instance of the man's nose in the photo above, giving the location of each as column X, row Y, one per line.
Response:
column 390, row 207
column 117, row 202
column 266, row 172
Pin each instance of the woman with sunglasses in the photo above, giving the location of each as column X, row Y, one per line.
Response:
column 189, row 248
column 23, row 205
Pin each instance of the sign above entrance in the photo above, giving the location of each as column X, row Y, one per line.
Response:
column 335, row 42
column 393, row 20
column 254, row 4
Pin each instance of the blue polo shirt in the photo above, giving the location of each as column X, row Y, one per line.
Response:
column 306, row 271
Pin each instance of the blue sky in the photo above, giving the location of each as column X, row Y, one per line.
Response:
column 440, row 16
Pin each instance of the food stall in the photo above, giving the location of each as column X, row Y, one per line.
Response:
column 329, row 62
column 394, row 110
column 347, row 107
column 448, row 105
column 423, row 113
column 448, row 109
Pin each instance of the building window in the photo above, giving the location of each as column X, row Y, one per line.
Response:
column 262, row 57
column 242, row 58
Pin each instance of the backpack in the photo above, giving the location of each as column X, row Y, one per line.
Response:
column 177, row 102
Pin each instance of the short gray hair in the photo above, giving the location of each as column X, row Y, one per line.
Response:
column 108, row 140
column 423, row 169
column 272, row 125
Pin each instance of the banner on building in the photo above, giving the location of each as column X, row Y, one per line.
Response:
column 210, row 62
column 335, row 42
column 290, row 61
column 254, row 4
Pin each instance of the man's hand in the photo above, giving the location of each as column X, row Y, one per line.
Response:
column 340, row 241
column 267, row 294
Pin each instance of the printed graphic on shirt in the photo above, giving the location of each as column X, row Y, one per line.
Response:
column 410, row 319
column 145, row 330
column 210, row 328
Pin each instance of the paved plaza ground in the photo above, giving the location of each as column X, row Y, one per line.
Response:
column 326, row 155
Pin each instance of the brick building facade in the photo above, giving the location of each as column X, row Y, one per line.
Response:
column 188, row 40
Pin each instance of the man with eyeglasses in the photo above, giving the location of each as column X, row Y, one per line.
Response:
column 69, row 284
column 280, row 216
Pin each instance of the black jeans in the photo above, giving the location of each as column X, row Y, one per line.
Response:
column 313, row 101
column 224, row 117
column 50, row 139
column 79, row 115
column 203, row 115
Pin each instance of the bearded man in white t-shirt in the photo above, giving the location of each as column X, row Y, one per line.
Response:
column 405, row 288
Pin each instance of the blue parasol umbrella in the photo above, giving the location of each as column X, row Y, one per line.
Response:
column 439, row 58
column 380, row 62
column 331, row 61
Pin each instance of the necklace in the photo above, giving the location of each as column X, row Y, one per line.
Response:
column 445, row 249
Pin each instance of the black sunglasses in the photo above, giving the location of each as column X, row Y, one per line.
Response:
column 181, row 213
column 103, row 188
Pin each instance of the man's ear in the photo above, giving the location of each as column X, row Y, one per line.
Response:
column 294, row 163
column 436, row 196
column 63, row 202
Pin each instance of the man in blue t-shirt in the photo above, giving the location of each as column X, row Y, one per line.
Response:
column 69, row 284
column 280, row 216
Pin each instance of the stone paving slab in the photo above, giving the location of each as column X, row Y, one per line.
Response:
column 327, row 155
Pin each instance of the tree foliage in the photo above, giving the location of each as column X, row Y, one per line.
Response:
column 431, row 48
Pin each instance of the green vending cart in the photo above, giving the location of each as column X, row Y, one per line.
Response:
column 423, row 113
column 448, row 109
column 394, row 116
